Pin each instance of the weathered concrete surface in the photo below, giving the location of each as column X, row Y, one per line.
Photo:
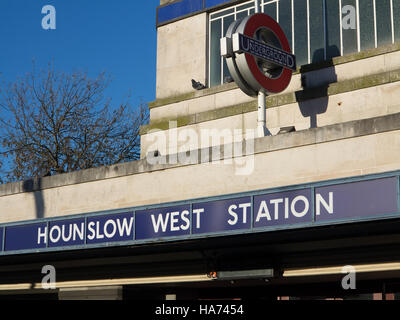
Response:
column 341, row 150
column 181, row 55
column 364, row 103
column 210, row 105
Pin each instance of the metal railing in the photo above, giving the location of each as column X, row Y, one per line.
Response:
column 317, row 30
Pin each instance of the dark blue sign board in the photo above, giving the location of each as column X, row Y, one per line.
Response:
column 356, row 200
column 344, row 201
column 284, row 208
column 65, row 233
column 221, row 215
column 24, row 237
column 110, row 228
column 163, row 222
column 181, row 8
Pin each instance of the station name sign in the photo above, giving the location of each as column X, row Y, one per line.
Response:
column 242, row 43
column 262, row 211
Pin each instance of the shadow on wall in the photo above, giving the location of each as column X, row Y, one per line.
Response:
column 35, row 186
column 314, row 99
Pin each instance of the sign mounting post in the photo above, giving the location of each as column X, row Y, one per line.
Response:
column 262, row 130
column 259, row 59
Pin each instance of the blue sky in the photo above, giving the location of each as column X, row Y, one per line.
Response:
column 116, row 36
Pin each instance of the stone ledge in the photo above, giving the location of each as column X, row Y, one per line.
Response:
column 369, row 53
column 193, row 95
column 277, row 100
column 334, row 88
column 326, row 134
column 303, row 69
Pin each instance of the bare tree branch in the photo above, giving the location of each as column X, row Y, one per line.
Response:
column 57, row 123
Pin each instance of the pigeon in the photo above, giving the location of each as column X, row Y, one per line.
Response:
column 197, row 85
column 228, row 79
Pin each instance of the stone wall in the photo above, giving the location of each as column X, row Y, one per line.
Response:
column 181, row 55
column 337, row 151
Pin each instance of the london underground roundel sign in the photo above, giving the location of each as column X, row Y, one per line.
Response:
column 258, row 55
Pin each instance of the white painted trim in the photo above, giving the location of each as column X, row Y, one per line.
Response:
column 293, row 51
column 308, row 33
column 375, row 28
column 222, row 58
column 358, row 26
column 341, row 27
column 277, row 11
column 392, row 19
column 234, row 11
column 325, row 31
column 209, row 52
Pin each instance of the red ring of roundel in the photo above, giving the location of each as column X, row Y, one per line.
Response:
column 271, row 85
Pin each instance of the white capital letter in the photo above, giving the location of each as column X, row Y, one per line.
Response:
column 306, row 206
column 42, row 235
column 320, row 200
column 244, row 207
column 197, row 212
column 263, row 212
column 233, row 214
